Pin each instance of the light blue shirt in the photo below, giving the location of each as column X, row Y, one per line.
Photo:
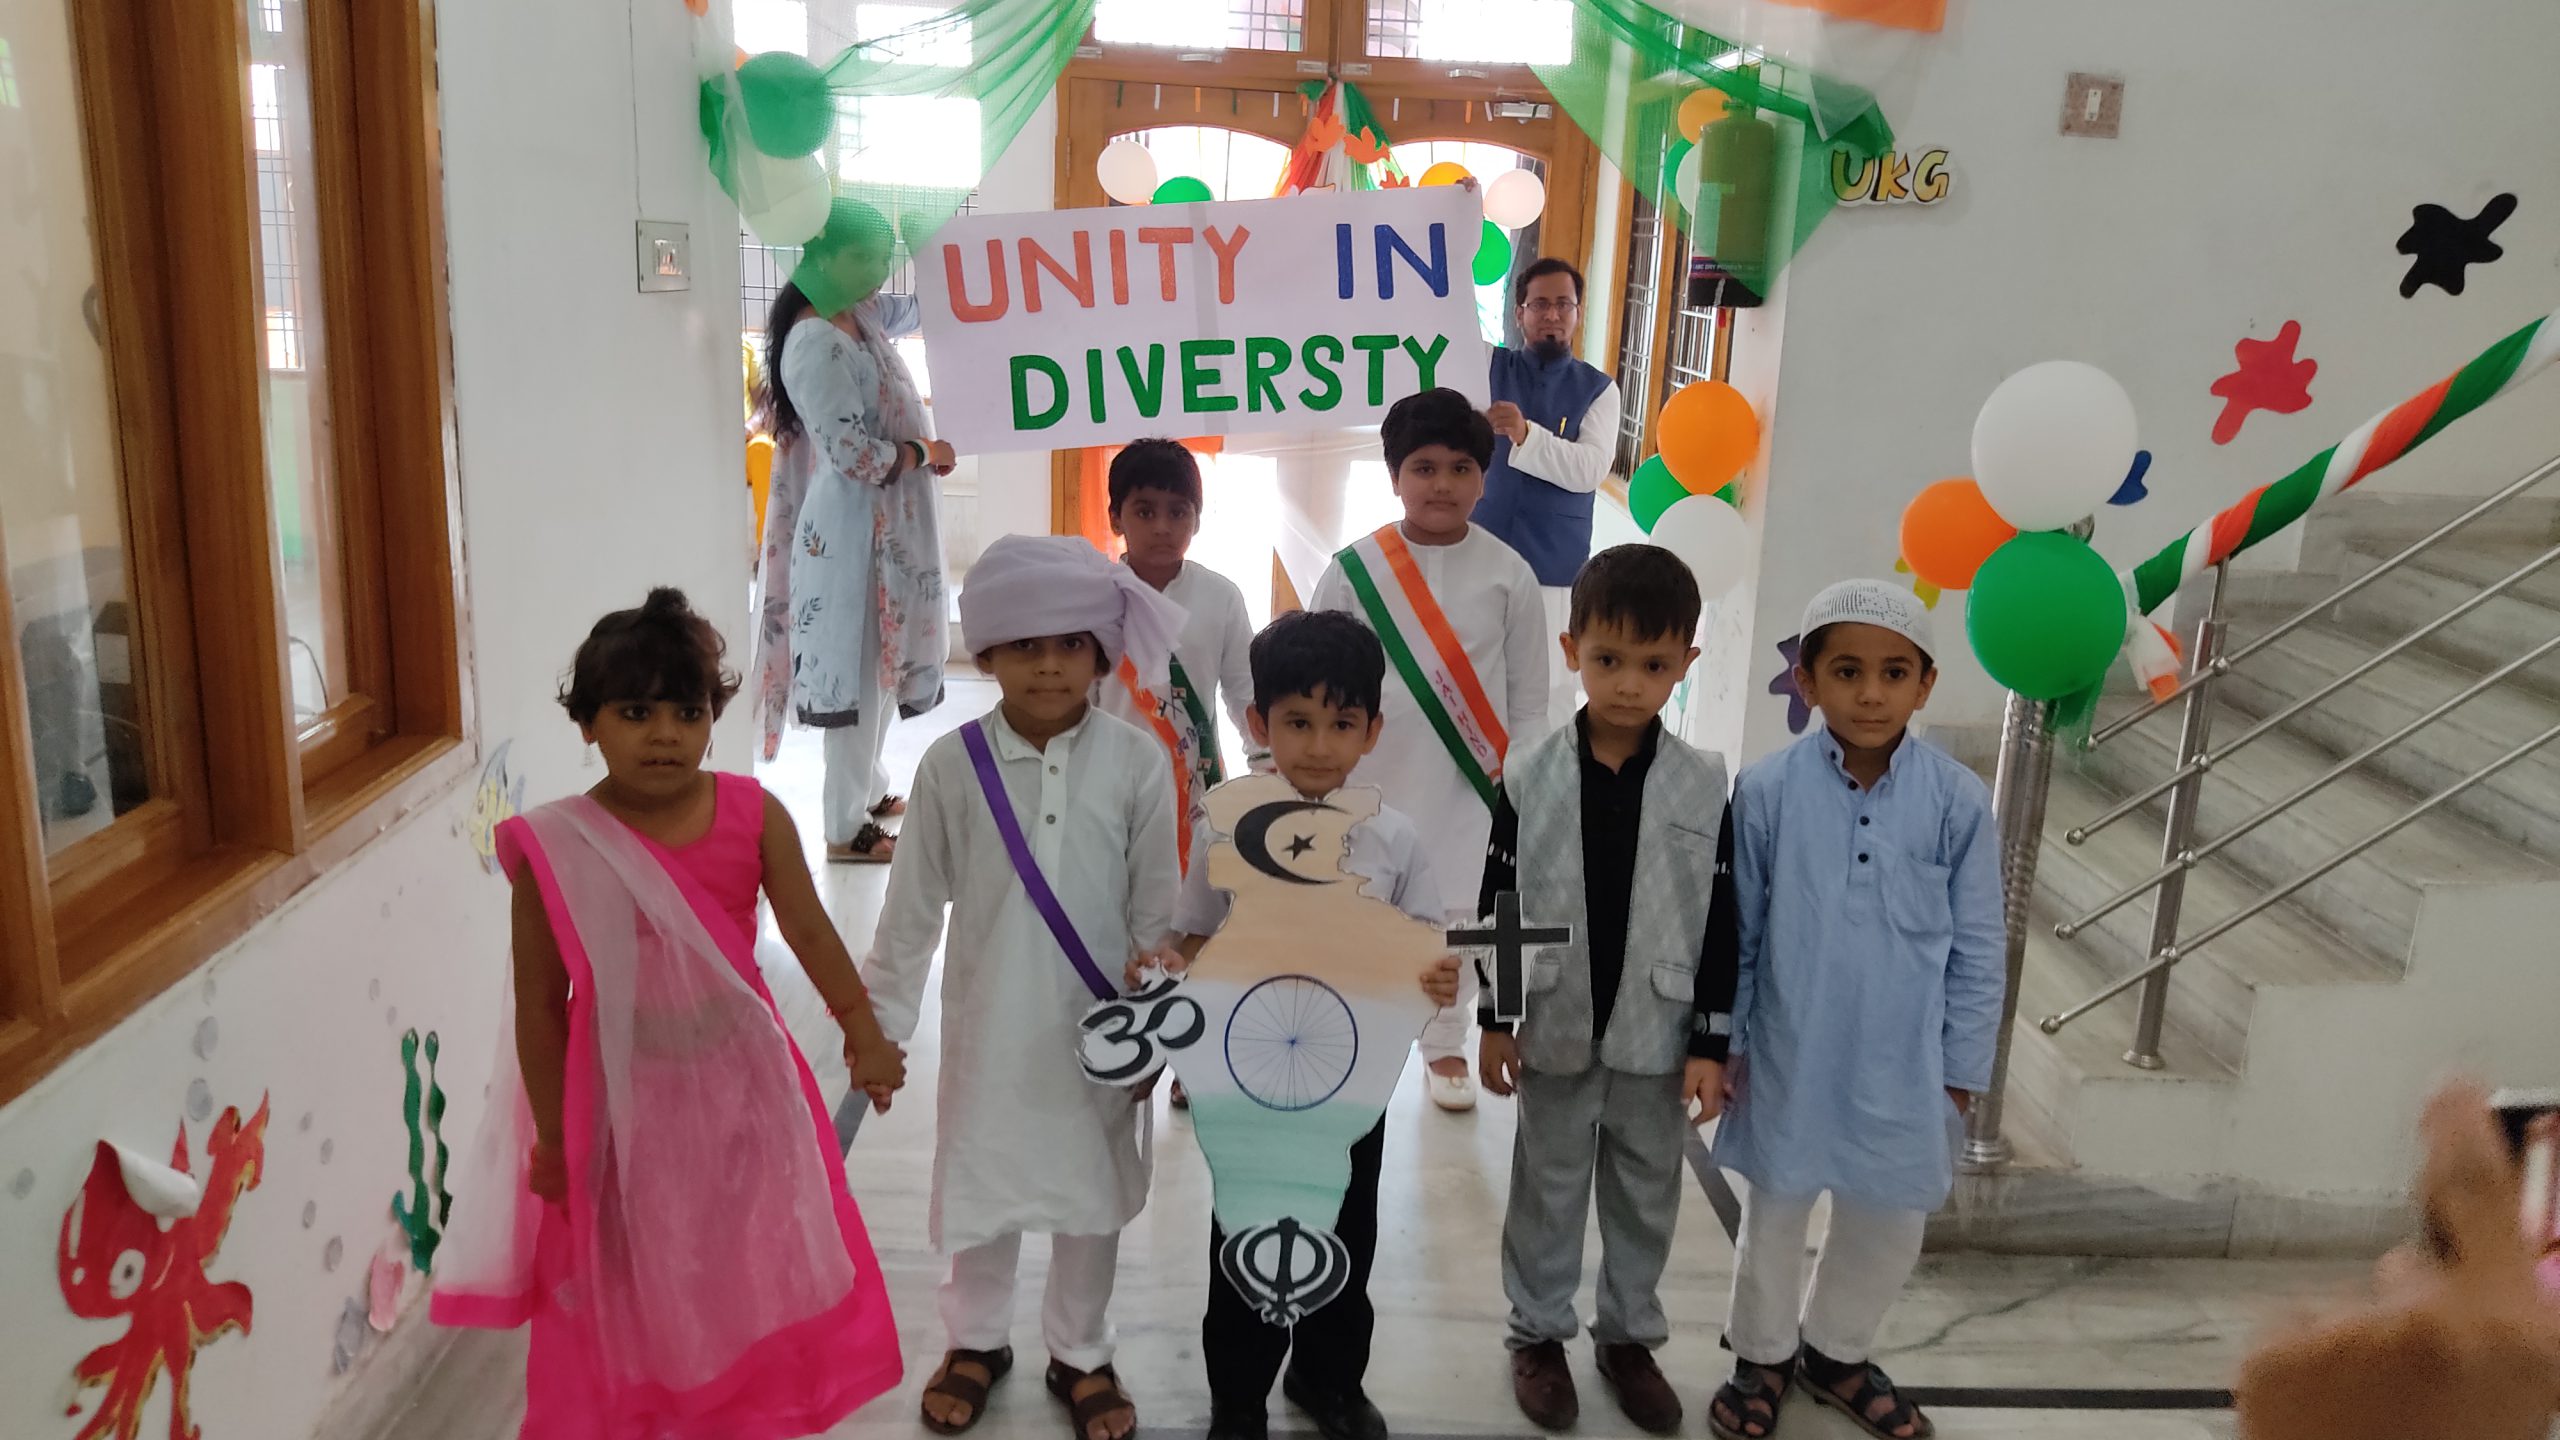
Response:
column 1873, row 966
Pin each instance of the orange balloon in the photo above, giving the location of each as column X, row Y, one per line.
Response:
column 1447, row 172
column 1703, row 108
column 1707, row 434
column 1949, row 530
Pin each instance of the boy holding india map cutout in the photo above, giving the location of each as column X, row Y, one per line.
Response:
column 1464, row 624
column 1317, row 678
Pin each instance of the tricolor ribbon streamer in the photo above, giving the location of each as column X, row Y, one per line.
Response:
column 2266, row 511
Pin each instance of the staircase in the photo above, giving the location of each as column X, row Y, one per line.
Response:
column 2298, row 1047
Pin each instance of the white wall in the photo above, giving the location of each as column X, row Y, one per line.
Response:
column 2270, row 156
column 1013, row 489
column 599, row 454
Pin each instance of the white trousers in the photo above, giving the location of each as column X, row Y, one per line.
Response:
column 1866, row 1259
column 1564, row 688
column 856, row 780
column 1075, row 1317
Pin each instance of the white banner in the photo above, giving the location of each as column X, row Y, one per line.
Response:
column 1312, row 312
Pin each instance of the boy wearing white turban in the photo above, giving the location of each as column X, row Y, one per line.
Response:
column 1866, row 880
column 1047, row 829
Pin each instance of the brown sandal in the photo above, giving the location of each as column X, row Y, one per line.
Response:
column 972, row 1393
column 871, row 846
column 890, row 807
column 1101, row 1405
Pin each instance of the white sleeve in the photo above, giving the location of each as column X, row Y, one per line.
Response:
column 1576, row 465
column 911, row 919
column 1155, row 877
column 1235, row 665
column 1333, row 592
column 1417, row 890
column 1527, row 651
column 1200, row 910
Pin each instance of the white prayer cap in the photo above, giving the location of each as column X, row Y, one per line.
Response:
column 1880, row 603
column 1031, row 585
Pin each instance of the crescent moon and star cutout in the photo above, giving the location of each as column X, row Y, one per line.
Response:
column 1289, row 1032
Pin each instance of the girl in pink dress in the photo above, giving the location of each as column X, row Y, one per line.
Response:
column 656, row 1187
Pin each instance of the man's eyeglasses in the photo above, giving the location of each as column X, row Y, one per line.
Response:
column 1544, row 306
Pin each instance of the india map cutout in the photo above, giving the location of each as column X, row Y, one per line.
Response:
column 1289, row 1033
column 2269, row 378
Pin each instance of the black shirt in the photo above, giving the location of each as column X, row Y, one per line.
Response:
column 1612, row 812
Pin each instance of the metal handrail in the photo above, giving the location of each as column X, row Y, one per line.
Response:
column 2207, row 761
column 2189, row 859
column 2222, row 665
column 2195, row 760
column 2166, row 958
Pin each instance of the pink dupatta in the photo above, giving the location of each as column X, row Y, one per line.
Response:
column 709, row 1275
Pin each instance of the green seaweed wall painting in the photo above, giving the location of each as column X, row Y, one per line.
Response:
column 423, row 1212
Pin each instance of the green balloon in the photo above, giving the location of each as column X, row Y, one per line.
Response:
column 789, row 109
column 1671, row 173
column 1183, row 189
column 1493, row 258
column 1651, row 492
column 2046, row 615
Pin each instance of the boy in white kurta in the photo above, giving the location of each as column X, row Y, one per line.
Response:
column 1468, row 652
column 1156, row 500
column 1023, row 1140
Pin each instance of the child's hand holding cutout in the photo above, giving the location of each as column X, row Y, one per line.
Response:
column 1440, row 982
column 1498, row 1063
column 1702, row 1090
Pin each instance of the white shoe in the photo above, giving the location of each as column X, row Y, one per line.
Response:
column 1450, row 1092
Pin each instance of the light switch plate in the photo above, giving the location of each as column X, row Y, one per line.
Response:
column 665, row 256
column 2092, row 105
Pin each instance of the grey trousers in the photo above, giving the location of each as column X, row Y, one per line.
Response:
column 1622, row 1134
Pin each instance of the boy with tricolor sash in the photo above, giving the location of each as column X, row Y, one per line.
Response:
column 1464, row 627
column 1046, row 832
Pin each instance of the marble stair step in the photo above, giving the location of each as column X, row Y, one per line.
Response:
column 2110, row 1117
column 2372, row 897
column 2519, row 805
column 2430, row 586
column 2213, row 991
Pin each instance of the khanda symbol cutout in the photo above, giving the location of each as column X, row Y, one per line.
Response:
column 1289, row 1031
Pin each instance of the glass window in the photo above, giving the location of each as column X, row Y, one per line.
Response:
column 762, row 25
column 1494, row 311
column 1482, row 32
column 1234, row 164
column 1203, row 24
column 63, row 541
column 295, row 384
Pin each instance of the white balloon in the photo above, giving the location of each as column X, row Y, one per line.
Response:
column 1684, row 181
column 1710, row 537
column 1514, row 198
column 1127, row 170
column 2053, row 443
column 785, row 201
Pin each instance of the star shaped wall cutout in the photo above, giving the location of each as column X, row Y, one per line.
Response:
column 2269, row 378
column 2440, row 243
column 1799, row 714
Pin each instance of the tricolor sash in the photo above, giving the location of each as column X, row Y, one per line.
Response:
column 982, row 757
column 1157, row 717
column 1424, row 649
column 1213, row 765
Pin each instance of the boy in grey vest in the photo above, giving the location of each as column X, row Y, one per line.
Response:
column 1610, row 825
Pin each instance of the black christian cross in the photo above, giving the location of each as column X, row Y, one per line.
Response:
column 1509, row 940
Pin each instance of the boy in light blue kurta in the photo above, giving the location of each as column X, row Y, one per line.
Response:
column 1867, row 880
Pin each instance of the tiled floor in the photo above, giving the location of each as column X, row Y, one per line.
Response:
column 1968, row 1321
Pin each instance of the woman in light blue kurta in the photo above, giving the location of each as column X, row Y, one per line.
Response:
column 862, row 614
column 1872, row 972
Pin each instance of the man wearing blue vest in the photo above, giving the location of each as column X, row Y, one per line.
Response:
column 1555, row 425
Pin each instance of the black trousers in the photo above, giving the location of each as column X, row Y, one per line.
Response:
column 1332, row 1345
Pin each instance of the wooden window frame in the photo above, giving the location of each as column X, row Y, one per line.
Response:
column 245, row 811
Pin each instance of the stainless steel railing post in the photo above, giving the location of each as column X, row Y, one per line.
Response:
column 2177, row 833
column 2018, row 793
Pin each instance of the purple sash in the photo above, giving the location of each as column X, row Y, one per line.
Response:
column 1034, row 884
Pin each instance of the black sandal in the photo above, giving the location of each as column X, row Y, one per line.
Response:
column 1751, row 1397
column 972, row 1393
column 1063, row 1380
column 871, row 846
column 1822, row 1375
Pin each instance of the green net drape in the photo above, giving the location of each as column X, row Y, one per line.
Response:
column 1758, row 179
column 843, row 157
